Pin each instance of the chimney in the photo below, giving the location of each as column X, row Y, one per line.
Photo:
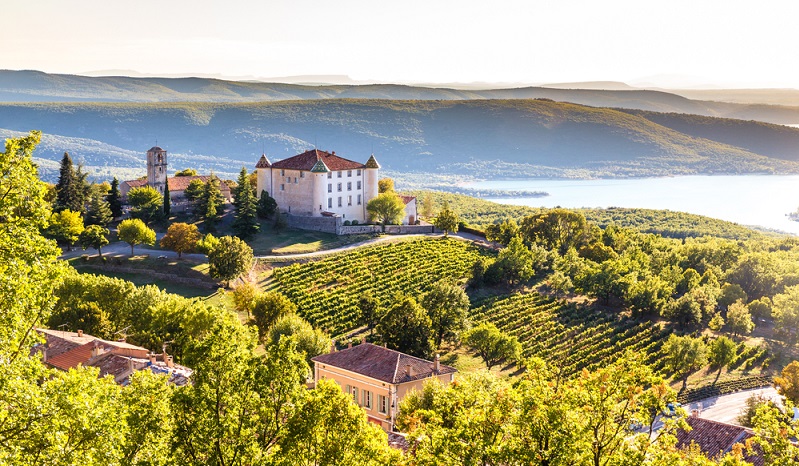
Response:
column 169, row 363
column 131, row 368
column 44, row 354
column 332, row 346
column 151, row 356
column 96, row 350
column 349, row 344
column 437, row 365
column 695, row 413
column 80, row 333
column 408, row 370
column 363, row 340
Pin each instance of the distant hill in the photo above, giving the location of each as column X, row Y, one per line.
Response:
column 483, row 138
column 35, row 86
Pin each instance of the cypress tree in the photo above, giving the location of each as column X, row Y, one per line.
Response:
column 167, row 200
column 99, row 212
column 245, row 224
column 267, row 205
column 212, row 203
column 115, row 199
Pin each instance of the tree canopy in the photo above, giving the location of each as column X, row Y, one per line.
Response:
column 133, row 231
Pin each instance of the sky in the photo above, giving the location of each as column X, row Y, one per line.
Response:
column 697, row 43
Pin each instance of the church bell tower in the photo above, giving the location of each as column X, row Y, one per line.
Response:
column 156, row 168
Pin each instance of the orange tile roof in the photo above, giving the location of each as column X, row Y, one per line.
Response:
column 308, row 159
column 407, row 199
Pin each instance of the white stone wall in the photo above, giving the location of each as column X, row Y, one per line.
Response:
column 345, row 194
column 410, row 213
column 263, row 181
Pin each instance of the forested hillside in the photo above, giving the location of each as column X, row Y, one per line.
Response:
column 484, row 138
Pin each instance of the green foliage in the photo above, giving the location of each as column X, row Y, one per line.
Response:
column 194, row 192
column 447, row 220
column 447, row 305
column 716, row 323
column 556, row 229
column 210, row 205
column 370, row 310
column 492, row 345
column 268, row 308
column 517, row 263
column 186, row 172
column 386, row 208
column 722, row 353
column 327, row 291
column 65, row 226
column 385, row 185
column 267, row 205
column 99, row 212
column 406, row 327
column 788, row 382
column 167, row 203
column 146, row 204
column 739, row 320
column 95, row 237
column 207, row 244
column 786, row 308
column 684, row 355
column 245, row 224
column 730, row 293
column 133, row 231
column 308, row 340
column 230, row 258
column 114, row 199
column 244, row 297
column 71, row 189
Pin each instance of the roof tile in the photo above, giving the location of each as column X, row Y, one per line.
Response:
column 308, row 159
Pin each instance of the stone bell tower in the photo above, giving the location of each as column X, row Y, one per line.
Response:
column 156, row 168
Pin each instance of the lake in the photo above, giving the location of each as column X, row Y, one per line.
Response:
column 759, row 200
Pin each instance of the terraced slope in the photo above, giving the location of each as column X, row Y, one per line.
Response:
column 326, row 291
column 570, row 336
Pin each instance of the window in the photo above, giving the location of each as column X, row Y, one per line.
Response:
column 354, row 393
column 349, row 186
column 359, row 199
column 302, row 174
column 295, row 180
column 339, row 174
column 330, row 187
column 329, row 202
column 382, row 404
column 282, row 172
column 282, row 187
column 339, row 187
column 349, row 173
column 339, row 201
column 349, row 200
column 288, row 179
column 330, row 174
column 367, row 399
column 359, row 173
column 359, row 185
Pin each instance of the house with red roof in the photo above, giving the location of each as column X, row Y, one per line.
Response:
column 716, row 439
column 317, row 183
column 378, row 378
column 157, row 179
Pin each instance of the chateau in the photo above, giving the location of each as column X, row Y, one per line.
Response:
column 157, row 179
column 321, row 184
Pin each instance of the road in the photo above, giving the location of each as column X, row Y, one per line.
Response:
column 726, row 408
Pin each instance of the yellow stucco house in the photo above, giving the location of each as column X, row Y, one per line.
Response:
column 378, row 378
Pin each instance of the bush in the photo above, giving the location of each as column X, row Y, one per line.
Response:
column 347, row 223
column 354, row 222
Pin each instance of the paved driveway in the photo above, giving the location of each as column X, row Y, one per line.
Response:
column 726, row 408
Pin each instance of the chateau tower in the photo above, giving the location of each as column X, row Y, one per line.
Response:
column 263, row 170
column 319, row 173
column 156, row 168
column 370, row 177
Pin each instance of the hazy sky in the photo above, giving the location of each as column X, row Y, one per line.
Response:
column 729, row 43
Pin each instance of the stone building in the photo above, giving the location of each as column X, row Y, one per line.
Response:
column 378, row 378
column 157, row 178
column 317, row 183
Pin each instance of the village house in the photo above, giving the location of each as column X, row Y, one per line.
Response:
column 157, row 179
column 119, row 359
column 715, row 439
column 378, row 378
column 321, row 184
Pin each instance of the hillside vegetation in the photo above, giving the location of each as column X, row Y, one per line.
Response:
column 486, row 138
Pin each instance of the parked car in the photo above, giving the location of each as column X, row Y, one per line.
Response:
column 671, row 409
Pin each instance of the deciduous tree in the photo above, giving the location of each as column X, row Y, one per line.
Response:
column 406, row 327
column 95, row 237
column 447, row 306
column 788, row 382
column 386, row 208
column 146, row 204
column 385, row 185
column 739, row 320
column 308, row 340
column 133, row 231
column 684, row 355
column 268, row 308
column 65, row 226
column 491, row 344
column 722, row 353
column 230, row 258
column 181, row 237
column 446, row 220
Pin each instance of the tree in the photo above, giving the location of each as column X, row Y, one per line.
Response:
column 517, row 263
column 181, row 237
column 65, row 226
column 739, row 320
column 207, row 244
column 684, row 310
column 730, row 293
column 385, row 185
column 406, row 327
column 684, row 356
column 95, row 237
column 558, row 229
column 114, row 199
column 244, row 297
column 386, row 208
column 447, row 306
column 447, row 220
column 193, row 193
column 146, row 203
column 786, row 308
column 99, row 212
column 268, row 308
column 773, row 434
column 133, row 231
column 503, row 232
column 308, row 340
column 267, row 205
column 492, row 345
column 229, row 259
column 187, row 172
column 716, row 323
column 788, row 382
column 427, row 206
column 722, row 353
column 245, row 224
column 211, row 203
column 70, row 190
column 370, row 310
column 148, row 414
column 167, row 204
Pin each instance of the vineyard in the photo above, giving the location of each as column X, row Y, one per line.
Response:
column 326, row 291
column 574, row 337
